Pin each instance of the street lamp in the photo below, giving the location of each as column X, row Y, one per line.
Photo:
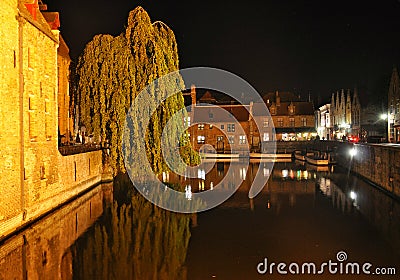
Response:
column 385, row 117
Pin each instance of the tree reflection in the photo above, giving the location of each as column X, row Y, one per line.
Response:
column 134, row 240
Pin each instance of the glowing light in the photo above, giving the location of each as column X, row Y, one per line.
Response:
column 384, row 116
column 285, row 173
column 353, row 152
column 353, row 195
column 266, row 172
column 188, row 192
column 201, row 174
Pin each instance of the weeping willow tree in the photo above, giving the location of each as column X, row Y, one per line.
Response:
column 110, row 74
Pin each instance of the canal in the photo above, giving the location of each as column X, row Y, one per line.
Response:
column 304, row 222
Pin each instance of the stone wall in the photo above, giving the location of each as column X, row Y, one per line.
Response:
column 77, row 173
column 377, row 163
column 43, row 250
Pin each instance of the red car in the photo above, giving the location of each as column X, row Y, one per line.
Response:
column 353, row 139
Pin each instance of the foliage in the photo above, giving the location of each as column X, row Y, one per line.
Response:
column 110, row 74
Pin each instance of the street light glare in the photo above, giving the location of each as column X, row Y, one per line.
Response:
column 384, row 116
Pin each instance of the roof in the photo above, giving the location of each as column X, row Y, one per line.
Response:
column 214, row 114
column 30, row 12
column 63, row 49
column 301, row 108
column 284, row 96
column 53, row 19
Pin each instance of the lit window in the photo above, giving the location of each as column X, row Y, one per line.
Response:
column 291, row 120
column 303, row 121
column 242, row 139
column 200, row 127
column 231, row 127
column 201, row 139
column 211, row 126
column 266, row 123
column 231, row 139
column 222, row 127
column 266, row 136
column 280, row 122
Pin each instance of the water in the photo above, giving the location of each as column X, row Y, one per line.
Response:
column 301, row 215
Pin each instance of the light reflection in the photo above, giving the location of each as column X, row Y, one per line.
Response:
column 211, row 185
column 353, row 195
column 266, row 172
column 285, row 173
column 201, row 174
column 242, row 173
column 188, row 192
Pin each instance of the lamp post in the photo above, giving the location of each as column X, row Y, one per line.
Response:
column 385, row 118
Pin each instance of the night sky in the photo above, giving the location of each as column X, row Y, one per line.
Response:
column 297, row 45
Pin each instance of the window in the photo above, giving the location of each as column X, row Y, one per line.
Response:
column 201, row 139
column 211, row 126
column 273, row 110
column 266, row 136
column 222, row 127
column 231, row 127
column 186, row 120
column 266, row 123
column 200, row 127
column 47, row 124
column 280, row 122
column 231, row 139
column 291, row 121
column 242, row 139
column 304, row 121
column 210, row 115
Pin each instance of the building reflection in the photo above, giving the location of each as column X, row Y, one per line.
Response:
column 354, row 196
column 42, row 250
column 284, row 181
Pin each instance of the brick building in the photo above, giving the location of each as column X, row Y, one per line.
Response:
column 34, row 58
column 293, row 118
column 224, row 124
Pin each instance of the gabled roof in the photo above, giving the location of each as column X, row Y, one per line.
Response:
column 301, row 108
column 221, row 113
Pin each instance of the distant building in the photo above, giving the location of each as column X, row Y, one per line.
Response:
column 323, row 122
column 394, row 107
column 227, row 125
column 293, row 118
column 345, row 114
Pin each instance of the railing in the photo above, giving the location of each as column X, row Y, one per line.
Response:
column 78, row 149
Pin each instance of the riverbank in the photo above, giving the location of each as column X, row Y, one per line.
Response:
column 77, row 174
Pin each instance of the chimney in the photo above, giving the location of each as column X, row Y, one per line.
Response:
column 278, row 99
column 42, row 6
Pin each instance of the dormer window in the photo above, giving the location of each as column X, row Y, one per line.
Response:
column 291, row 109
column 273, row 110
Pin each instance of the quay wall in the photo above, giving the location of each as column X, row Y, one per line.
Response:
column 377, row 163
column 76, row 174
